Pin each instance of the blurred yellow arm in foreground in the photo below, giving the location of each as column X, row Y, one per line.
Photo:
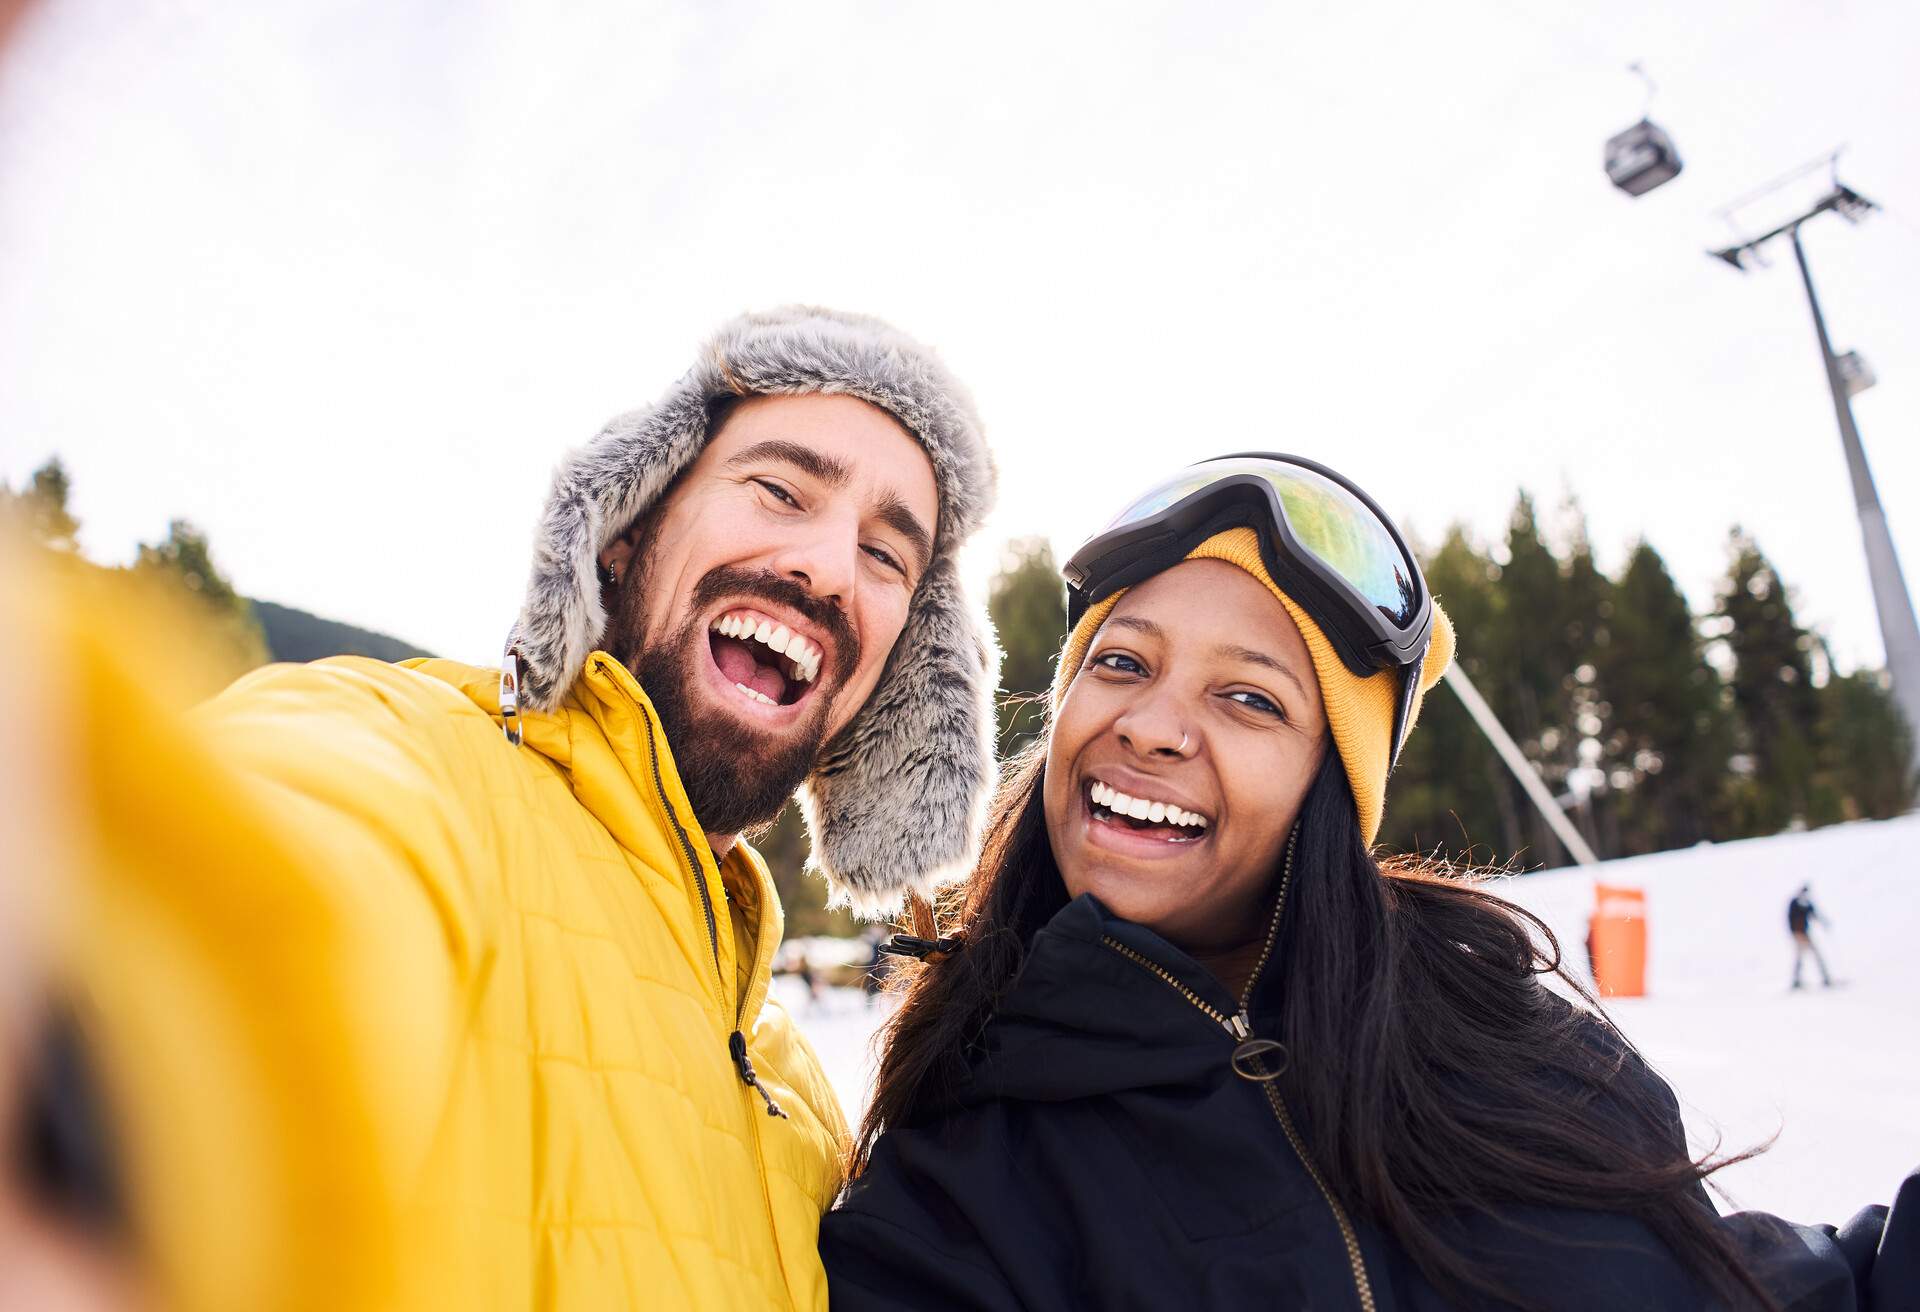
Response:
column 270, row 993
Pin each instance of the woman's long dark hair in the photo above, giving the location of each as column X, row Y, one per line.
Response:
column 1435, row 1075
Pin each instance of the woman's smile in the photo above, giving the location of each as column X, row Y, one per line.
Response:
column 1133, row 818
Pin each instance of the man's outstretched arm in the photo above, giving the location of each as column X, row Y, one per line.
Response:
column 262, row 937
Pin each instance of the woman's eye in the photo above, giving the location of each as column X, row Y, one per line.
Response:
column 1258, row 702
column 1115, row 660
column 778, row 491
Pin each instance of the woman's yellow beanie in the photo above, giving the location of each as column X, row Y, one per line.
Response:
column 1359, row 711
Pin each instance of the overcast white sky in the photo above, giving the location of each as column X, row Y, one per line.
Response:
column 340, row 282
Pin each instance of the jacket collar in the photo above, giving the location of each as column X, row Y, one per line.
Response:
column 605, row 739
column 1083, row 1017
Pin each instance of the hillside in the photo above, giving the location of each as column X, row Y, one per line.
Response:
column 295, row 635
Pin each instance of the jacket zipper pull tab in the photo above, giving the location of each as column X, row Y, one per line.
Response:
column 737, row 1045
column 511, row 675
column 1259, row 1060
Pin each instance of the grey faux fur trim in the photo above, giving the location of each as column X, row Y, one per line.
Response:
column 898, row 800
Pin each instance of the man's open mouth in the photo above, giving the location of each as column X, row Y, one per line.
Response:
column 761, row 657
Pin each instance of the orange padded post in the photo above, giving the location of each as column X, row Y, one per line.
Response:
column 1620, row 941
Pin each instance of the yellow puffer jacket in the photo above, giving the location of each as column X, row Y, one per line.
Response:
column 394, row 1013
column 594, row 1145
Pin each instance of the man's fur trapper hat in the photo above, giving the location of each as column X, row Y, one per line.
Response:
column 897, row 799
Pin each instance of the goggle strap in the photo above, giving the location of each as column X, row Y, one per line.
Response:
column 1403, row 705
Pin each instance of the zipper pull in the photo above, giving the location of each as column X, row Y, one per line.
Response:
column 1250, row 1059
column 737, row 1045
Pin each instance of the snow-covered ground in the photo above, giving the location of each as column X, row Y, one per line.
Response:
column 1834, row 1073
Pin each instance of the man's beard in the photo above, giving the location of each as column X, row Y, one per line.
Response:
column 737, row 776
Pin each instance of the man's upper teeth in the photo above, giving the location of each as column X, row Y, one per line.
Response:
column 1141, row 808
column 803, row 654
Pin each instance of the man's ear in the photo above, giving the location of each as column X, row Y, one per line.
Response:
column 617, row 555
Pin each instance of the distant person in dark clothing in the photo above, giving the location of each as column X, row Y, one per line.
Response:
column 1801, row 914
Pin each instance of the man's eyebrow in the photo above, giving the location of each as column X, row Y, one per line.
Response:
column 893, row 512
column 1260, row 658
column 828, row 469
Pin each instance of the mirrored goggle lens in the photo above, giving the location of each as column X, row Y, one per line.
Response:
column 1326, row 519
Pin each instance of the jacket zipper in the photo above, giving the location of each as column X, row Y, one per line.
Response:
column 736, row 1041
column 1240, row 1026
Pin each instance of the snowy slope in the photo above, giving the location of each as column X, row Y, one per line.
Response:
column 1835, row 1074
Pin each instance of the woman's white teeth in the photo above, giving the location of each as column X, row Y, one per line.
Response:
column 1141, row 808
column 802, row 655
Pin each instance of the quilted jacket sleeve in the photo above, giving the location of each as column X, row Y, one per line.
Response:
column 351, row 764
column 262, row 933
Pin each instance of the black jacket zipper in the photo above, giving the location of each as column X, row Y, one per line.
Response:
column 1249, row 1060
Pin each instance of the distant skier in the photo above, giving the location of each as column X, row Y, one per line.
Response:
column 1801, row 914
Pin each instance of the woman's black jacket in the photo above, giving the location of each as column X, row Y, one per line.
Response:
column 1103, row 1154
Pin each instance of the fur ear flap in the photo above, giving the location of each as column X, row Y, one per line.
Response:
column 900, row 796
column 598, row 491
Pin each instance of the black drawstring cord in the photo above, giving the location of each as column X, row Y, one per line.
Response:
column 737, row 1045
column 906, row 945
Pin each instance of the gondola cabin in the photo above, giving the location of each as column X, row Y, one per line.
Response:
column 1641, row 158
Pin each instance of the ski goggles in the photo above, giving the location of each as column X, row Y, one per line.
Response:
column 1323, row 540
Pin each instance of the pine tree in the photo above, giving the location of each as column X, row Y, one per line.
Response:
column 1669, row 732
column 41, row 507
column 1028, row 603
column 185, row 558
column 1583, row 633
column 1776, row 705
column 1529, row 680
column 1866, row 748
column 1451, row 794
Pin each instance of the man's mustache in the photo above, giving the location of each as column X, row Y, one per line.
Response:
column 729, row 581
